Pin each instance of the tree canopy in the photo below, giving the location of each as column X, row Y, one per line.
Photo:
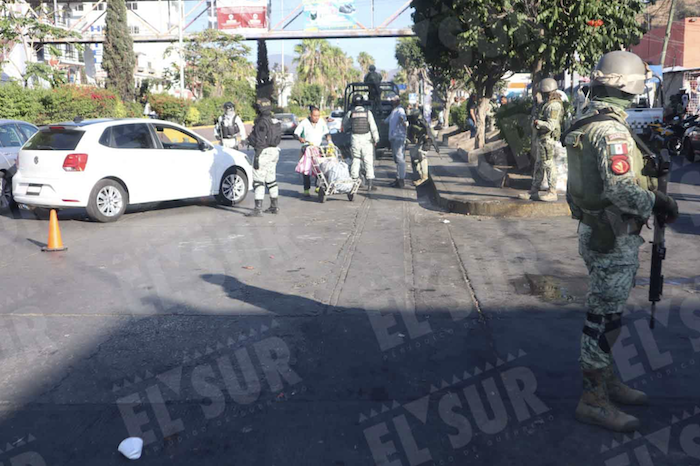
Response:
column 483, row 39
column 212, row 59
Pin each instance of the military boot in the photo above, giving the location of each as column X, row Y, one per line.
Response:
column 274, row 209
column 621, row 393
column 370, row 185
column 595, row 407
column 257, row 212
column 549, row 196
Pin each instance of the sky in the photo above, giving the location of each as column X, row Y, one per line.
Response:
column 382, row 49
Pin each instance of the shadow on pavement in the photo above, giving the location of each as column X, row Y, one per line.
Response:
column 274, row 378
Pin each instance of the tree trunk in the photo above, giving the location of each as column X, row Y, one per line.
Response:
column 481, row 111
column 483, row 94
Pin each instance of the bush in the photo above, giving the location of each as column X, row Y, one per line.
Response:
column 192, row 116
column 513, row 120
column 67, row 102
column 169, row 108
column 211, row 108
column 459, row 115
column 18, row 103
column 133, row 110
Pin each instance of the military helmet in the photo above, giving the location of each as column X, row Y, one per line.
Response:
column 357, row 99
column 621, row 70
column 548, row 85
column 263, row 104
column 228, row 105
column 372, row 68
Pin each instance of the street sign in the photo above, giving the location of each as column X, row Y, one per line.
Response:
column 412, row 99
column 242, row 15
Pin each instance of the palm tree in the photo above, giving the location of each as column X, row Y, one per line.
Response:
column 364, row 59
column 314, row 62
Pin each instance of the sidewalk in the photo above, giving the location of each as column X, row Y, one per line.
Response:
column 463, row 182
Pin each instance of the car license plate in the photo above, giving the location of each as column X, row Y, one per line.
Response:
column 33, row 190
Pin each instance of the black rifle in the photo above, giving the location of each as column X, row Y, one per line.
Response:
column 662, row 166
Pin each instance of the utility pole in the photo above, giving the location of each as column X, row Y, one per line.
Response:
column 668, row 32
column 372, row 6
column 180, row 13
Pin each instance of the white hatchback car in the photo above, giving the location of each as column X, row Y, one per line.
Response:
column 106, row 165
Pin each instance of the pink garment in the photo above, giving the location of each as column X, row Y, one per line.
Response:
column 305, row 167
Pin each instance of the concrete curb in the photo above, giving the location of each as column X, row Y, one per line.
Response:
column 497, row 208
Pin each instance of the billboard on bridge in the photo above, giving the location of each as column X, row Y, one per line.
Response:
column 242, row 15
column 329, row 14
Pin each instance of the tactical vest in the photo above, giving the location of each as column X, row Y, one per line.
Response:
column 360, row 122
column 228, row 132
column 544, row 110
column 585, row 185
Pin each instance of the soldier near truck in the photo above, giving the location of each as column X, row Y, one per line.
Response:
column 359, row 122
column 612, row 199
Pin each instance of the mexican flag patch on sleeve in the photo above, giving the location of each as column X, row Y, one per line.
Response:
column 618, row 149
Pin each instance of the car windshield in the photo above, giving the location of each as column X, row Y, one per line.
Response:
column 55, row 139
column 286, row 117
column 9, row 136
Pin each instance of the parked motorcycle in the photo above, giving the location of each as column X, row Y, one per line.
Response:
column 671, row 136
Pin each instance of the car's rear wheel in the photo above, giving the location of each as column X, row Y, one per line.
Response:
column 233, row 188
column 6, row 199
column 108, row 201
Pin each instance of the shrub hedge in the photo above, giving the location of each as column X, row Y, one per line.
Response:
column 43, row 106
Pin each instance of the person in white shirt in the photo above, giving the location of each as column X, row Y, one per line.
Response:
column 397, row 137
column 311, row 131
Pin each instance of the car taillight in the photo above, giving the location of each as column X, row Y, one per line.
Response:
column 75, row 162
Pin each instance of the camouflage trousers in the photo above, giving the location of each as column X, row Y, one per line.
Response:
column 611, row 279
column 544, row 168
column 266, row 174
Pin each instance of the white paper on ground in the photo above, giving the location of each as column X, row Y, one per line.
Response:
column 131, row 448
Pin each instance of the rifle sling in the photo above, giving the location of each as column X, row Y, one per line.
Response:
column 605, row 115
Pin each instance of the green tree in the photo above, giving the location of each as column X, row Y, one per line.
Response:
column 484, row 39
column 44, row 72
column 20, row 25
column 118, row 58
column 264, row 86
column 314, row 64
column 409, row 56
column 304, row 94
column 364, row 59
column 212, row 58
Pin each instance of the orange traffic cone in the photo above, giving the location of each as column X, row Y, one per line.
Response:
column 55, row 242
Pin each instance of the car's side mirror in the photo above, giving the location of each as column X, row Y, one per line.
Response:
column 203, row 146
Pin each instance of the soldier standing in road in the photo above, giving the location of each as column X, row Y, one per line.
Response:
column 398, row 124
column 265, row 137
column 612, row 199
column 547, row 125
column 229, row 128
column 360, row 123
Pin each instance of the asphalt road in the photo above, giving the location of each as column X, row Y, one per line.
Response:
column 375, row 332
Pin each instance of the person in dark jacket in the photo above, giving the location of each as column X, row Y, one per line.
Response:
column 263, row 138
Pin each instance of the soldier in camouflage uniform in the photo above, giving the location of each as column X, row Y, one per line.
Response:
column 611, row 198
column 547, row 125
column 421, row 135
